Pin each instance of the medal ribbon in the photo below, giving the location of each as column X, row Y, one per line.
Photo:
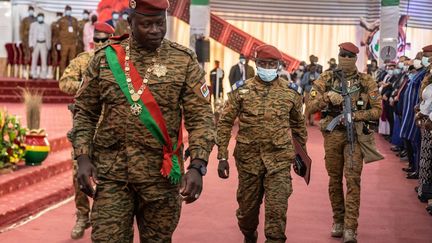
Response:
column 151, row 115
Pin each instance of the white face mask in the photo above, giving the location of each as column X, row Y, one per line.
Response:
column 242, row 61
column 85, row 16
column 125, row 16
column 31, row 13
column 40, row 19
column 400, row 65
column 417, row 64
column 68, row 13
column 115, row 16
column 425, row 61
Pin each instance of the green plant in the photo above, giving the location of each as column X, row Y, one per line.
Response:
column 12, row 134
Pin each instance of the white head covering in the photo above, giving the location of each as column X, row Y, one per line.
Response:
column 426, row 105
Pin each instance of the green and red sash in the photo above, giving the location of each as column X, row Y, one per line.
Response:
column 151, row 115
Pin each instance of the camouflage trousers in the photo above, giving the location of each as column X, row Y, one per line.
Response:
column 156, row 206
column 252, row 188
column 82, row 203
column 345, row 209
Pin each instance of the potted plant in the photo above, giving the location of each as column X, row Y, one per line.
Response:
column 12, row 148
column 36, row 141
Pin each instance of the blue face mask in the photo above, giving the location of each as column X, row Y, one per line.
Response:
column 267, row 75
column 400, row 65
column 411, row 76
column 396, row 72
column 390, row 72
column 425, row 61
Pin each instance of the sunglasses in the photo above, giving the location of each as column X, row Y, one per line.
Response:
column 99, row 40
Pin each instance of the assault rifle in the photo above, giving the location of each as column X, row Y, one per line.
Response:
column 347, row 115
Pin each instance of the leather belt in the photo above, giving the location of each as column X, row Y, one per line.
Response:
column 40, row 42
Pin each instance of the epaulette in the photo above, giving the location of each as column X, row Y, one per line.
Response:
column 181, row 48
column 296, row 88
column 238, row 84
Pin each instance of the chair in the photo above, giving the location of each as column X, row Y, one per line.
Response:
column 11, row 58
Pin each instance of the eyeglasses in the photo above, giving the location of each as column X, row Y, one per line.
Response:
column 99, row 40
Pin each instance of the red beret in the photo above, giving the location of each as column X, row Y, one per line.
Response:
column 427, row 48
column 104, row 27
column 348, row 46
column 149, row 7
column 268, row 52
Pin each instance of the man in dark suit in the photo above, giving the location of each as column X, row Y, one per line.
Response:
column 241, row 71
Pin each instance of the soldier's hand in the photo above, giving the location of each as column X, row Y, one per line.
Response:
column 191, row 185
column 86, row 170
column 223, row 169
column 335, row 98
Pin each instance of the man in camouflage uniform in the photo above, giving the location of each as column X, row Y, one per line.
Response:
column 269, row 110
column 119, row 152
column 69, row 83
column 24, row 33
column 326, row 95
column 81, row 23
column 68, row 38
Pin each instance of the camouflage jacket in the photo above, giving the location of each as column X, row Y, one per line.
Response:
column 267, row 114
column 68, row 30
column 73, row 74
column 366, row 100
column 122, row 147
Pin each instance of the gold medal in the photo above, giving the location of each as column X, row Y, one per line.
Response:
column 159, row 70
column 135, row 97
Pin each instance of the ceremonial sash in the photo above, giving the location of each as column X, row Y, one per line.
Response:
column 151, row 115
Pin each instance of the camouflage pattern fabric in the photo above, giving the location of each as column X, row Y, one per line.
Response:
column 73, row 74
column 156, row 206
column 269, row 115
column 367, row 101
column 24, row 32
column 123, row 150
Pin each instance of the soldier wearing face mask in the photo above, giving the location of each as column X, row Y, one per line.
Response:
column 366, row 104
column 68, row 38
column 269, row 110
column 24, row 33
column 40, row 44
column 85, row 19
column 69, row 83
column 55, row 45
column 240, row 72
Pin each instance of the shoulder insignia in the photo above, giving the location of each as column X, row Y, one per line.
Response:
column 296, row 88
column 313, row 93
column 179, row 47
column 237, row 85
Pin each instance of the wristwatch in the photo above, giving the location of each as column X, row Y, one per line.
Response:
column 201, row 168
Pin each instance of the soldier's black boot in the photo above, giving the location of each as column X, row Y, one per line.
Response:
column 82, row 223
column 250, row 237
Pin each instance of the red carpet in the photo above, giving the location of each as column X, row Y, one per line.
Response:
column 390, row 211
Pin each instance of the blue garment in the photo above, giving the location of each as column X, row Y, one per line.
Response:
column 411, row 98
column 396, row 139
column 409, row 130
